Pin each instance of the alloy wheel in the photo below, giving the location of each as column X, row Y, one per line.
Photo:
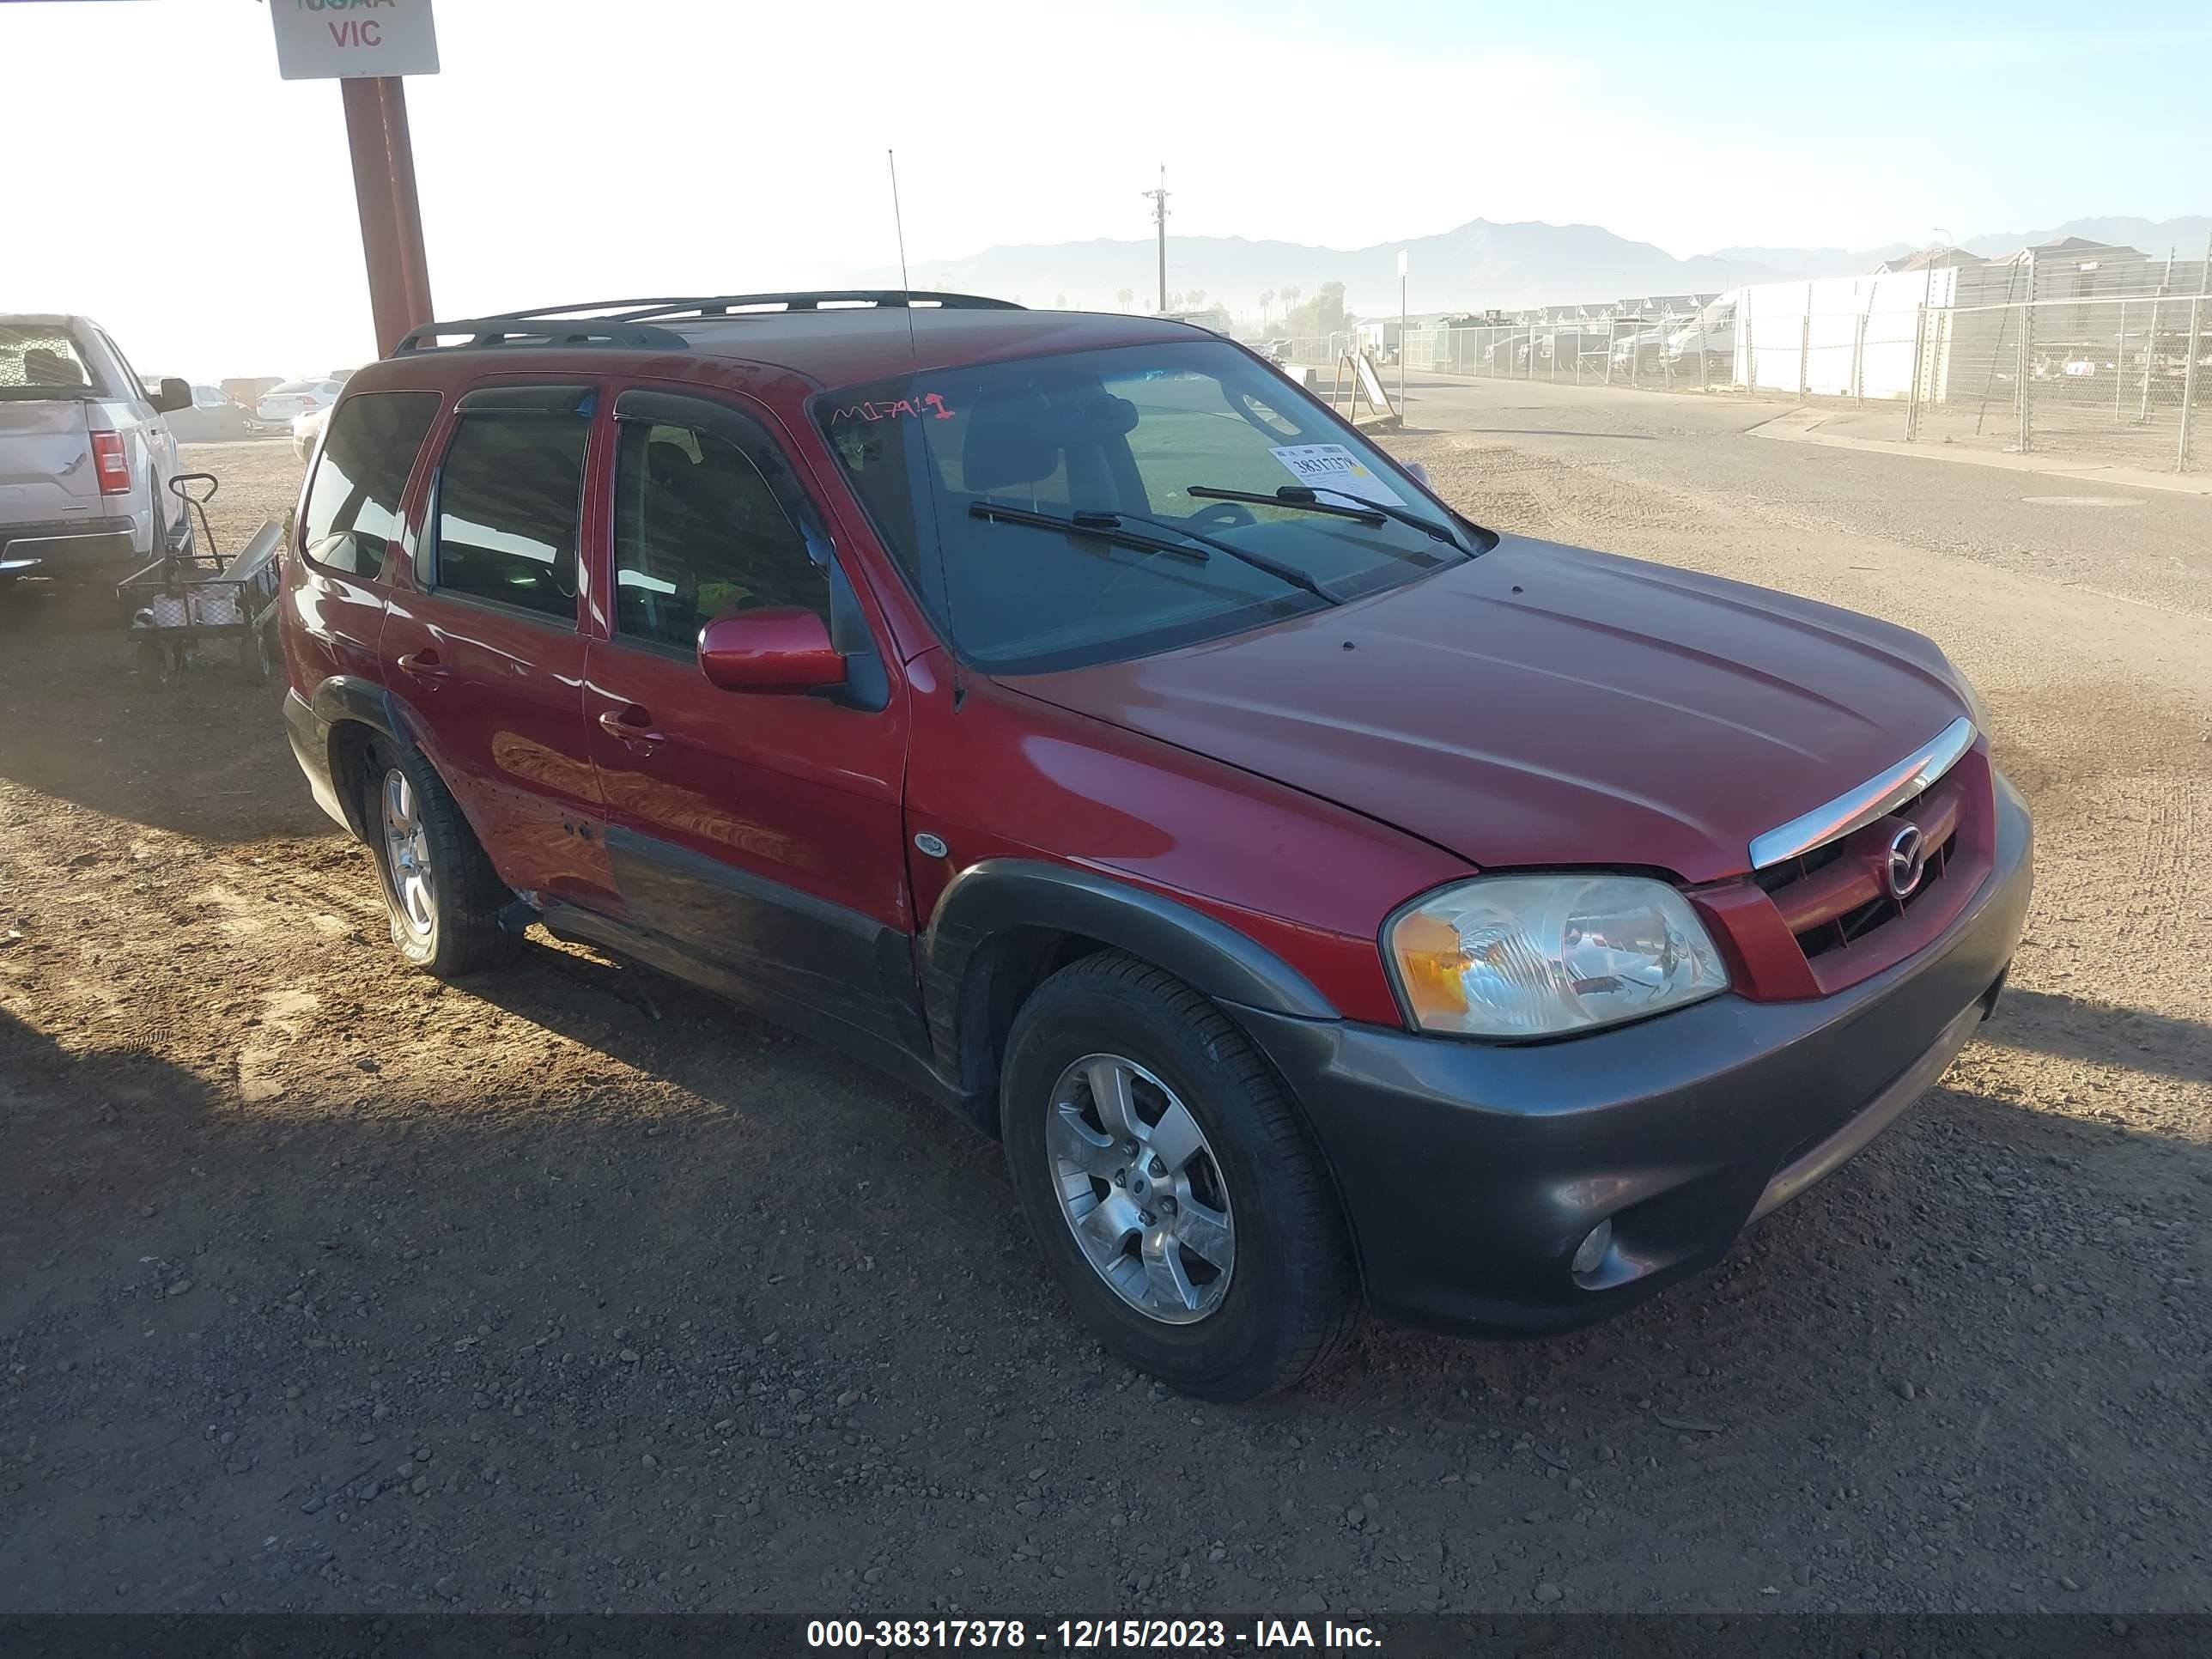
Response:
column 407, row 854
column 1141, row 1189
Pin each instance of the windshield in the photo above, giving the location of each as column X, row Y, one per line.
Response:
column 1142, row 442
column 40, row 360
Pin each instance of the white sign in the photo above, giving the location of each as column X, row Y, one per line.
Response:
column 342, row 39
column 1333, row 468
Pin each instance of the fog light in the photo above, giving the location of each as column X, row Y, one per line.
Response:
column 1593, row 1249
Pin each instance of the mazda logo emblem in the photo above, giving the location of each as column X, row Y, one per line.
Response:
column 1905, row 851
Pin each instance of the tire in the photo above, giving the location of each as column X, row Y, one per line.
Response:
column 1288, row 1294
column 258, row 655
column 440, row 893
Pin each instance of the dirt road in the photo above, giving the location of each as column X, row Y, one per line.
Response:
column 327, row 1287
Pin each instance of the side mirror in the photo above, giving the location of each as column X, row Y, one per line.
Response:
column 1420, row 474
column 174, row 394
column 779, row 649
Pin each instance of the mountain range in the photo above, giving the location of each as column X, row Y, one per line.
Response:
column 1477, row 265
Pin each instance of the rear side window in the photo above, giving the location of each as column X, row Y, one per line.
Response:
column 140, row 388
column 352, row 519
column 507, row 500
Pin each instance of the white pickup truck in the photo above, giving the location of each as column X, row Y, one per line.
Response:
column 85, row 456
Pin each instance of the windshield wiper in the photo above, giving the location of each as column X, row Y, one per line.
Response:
column 1289, row 495
column 1107, row 526
column 1103, row 526
column 1300, row 496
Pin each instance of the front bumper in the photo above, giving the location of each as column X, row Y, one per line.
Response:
column 1470, row 1172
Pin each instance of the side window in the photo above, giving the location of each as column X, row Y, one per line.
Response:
column 352, row 519
column 134, row 389
column 507, row 500
column 699, row 534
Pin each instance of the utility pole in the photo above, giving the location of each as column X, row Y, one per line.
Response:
column 1160, row 201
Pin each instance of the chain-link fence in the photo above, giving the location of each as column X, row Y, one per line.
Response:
column 1629, row 351
column 2123, row 376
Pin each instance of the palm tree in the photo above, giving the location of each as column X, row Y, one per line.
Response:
column 1267, row 299
column 1197, row 298
column 1124, row 296
column 1289, row 301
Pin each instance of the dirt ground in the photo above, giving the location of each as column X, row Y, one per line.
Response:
column 327, row 1287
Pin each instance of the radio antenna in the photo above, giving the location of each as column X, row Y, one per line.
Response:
column 898, row 226
column 922, row 458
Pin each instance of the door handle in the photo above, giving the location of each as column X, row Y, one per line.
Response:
column 424, row 665
column 641, row 731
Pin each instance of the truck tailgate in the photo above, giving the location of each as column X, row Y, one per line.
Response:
column 47, row 472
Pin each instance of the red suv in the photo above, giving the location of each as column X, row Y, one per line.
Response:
column 1326, row 900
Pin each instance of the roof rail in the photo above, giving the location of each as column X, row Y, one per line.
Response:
column 623, row 322
column 726, row 305
column 719, row 304
column 529, row 331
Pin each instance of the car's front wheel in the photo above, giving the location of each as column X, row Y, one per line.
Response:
column 1170, row 1184
column 440, row 890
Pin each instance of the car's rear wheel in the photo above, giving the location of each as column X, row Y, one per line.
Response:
column 440, row 892
column 1170, row 1183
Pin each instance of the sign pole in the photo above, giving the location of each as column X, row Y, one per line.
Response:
column 367, row 56
column 1402, row 341
column 390, row 213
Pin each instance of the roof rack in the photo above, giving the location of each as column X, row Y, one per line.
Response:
column 728, row 305
column 531, row 331
column 621, row 322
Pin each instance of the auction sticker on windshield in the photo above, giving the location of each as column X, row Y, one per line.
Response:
column 1335, row 469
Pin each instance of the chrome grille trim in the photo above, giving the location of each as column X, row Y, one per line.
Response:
column 1856, row 808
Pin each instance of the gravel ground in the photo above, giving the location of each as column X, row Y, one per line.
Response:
column 332, row 1288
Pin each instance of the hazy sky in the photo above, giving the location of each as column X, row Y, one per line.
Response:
column 204, row 209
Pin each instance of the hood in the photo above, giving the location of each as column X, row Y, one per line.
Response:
column 1548, row 706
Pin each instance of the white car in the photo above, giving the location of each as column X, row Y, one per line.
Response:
column 307, row 429
column 280, row 405
column 85, row 454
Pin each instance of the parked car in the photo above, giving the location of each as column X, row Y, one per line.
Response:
column 1325, row 899
column 278, row 409
column 211, row 417
column 307, row 429
column 1642, row 351
column 85, row 454
column 2081, row 369
column 1705, row 351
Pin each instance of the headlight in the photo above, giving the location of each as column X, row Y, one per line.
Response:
column 1538, row 956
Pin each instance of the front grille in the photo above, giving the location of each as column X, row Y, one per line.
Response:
column 1836, row 895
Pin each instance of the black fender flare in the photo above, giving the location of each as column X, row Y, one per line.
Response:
column 354, row 699
column 999, row 898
